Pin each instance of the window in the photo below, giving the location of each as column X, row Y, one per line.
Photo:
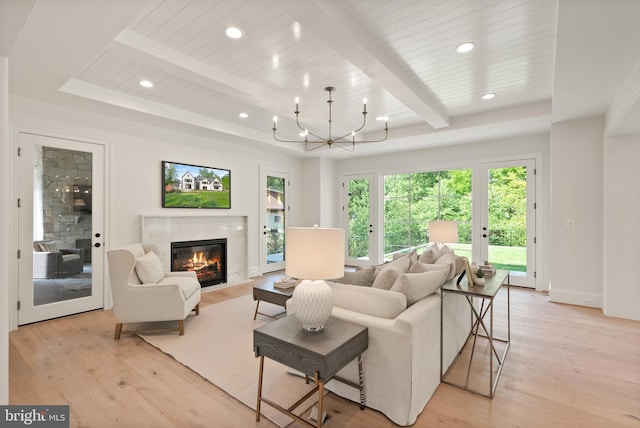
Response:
column 412, row 200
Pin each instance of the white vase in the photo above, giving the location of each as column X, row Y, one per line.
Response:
column 312, row 304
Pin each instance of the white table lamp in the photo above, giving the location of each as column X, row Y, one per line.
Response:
column 313, row 254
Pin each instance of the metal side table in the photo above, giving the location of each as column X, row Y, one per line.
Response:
column 486, row 293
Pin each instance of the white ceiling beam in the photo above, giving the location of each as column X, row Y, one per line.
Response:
column 330, row 24
column 109, row 96
column 145, row 50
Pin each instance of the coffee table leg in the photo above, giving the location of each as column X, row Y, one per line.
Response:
column 259, row 389
column 361, row 379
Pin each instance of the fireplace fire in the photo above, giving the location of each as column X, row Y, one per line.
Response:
column 207, row 258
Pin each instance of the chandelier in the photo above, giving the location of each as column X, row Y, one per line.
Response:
column 346, row 141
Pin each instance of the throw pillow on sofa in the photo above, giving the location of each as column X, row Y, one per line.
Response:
column 430, row 255
column 387, row 277
column 419, row 267
column 417, row 286
column 401, row 263
column 448, row 259
column 362, row 277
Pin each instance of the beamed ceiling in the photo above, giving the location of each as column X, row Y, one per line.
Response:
column 545, row 60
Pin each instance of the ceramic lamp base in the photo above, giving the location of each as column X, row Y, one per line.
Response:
column 313, row 303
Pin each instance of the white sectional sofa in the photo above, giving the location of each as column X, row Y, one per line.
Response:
column 402, row 363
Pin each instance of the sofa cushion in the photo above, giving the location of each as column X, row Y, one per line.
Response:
column 417, row 286
column 70, row 257
column 136, row 249
column 188, row 285
column 430, row 255
column 448, row 258
column 413, row 256
column 370, row 301
column 419, row 267
column 149, row 268
column 401, row 263
column 49, row 247
column 385, row 279
column 363, row 277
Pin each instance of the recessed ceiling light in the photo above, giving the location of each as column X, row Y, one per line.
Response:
column 381, row 118
column 488, row 96
column 233, row 32
column 243, row 115
column 465, row 47
column 146, row 83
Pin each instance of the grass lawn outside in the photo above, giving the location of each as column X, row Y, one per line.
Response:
column 198, row 199
column 508, row 258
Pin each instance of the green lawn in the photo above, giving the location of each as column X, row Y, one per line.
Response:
column 510, row 258
column 198, row 199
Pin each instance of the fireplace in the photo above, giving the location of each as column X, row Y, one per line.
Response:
column 207, row 258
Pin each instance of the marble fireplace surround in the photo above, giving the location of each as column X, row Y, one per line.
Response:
column 162, row 230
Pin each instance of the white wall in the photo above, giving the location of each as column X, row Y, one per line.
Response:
column 319, row 184
column 621, row 227
column 134, row 177
column 5, row 230
column 576, row 229
column 471, row 156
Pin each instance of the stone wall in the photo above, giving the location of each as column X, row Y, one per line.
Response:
column 66, row 184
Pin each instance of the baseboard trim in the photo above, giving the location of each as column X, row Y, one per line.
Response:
column 571, row 297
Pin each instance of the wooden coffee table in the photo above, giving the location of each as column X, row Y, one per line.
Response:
column 269, row 293
column 318, row 355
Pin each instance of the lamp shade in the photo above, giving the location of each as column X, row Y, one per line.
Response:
column 314, row 253
column 443, row 231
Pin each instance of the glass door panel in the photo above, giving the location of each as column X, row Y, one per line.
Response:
column 58, row 223
column 274, row 220
column 508, row 229
column 359, row 220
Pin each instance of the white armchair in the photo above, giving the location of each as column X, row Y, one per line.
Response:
column 172, row 298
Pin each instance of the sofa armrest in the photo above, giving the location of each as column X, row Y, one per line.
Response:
column 144, row 302
column 181, row 274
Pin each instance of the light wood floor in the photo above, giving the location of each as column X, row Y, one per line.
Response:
column 567, row 366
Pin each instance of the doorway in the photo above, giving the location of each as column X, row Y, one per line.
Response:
column 508, row 219
column 60, row 227
column 276, row 205
column 359, row 210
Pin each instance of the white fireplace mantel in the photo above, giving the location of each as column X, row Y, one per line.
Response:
column 162, row 230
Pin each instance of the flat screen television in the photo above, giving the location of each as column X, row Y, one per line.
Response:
column 195, row 186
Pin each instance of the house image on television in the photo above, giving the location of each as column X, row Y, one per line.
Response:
column 190, row 183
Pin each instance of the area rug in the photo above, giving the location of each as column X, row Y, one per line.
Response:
column 218, row 345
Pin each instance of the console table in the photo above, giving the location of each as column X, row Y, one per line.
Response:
column 486, row 293
column 319, row 355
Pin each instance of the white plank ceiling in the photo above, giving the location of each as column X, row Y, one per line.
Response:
column 399, row 54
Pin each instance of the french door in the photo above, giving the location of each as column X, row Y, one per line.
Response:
column 359, row 218
column 508, row 223
column 276, row 205
column 60, row 227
